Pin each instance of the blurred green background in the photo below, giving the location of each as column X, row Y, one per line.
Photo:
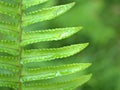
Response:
column 101, row 27
column 100, row 20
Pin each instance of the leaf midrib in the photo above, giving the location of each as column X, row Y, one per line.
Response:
column 20, row 48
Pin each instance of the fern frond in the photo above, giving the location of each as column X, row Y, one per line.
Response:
column 9, row 29
column 45, row 14
column 14, row 57
column 8, row 44
column 52, row 71
column 9, row 24
column 9, row 77
column 9, row 60
column 9, row 67
column 9, row 84
column 48, row 35
column 8, row 8
column 9, row 47
column 29, row 3
column 51, row 54
column 8, row 72
column 65, row 85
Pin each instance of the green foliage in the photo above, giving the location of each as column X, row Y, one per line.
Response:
column 18, row 65
column 89, row 14
column 101, row 22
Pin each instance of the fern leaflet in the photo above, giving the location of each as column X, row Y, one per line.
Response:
column 15, row 59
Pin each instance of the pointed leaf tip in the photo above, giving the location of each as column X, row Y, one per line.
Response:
column 79, row 28
column 86, row 44
column 83, row 45
column 50, row 13
column 53, row 71
column 73, row 3
column 90, row 75
column 48, row 35
column 40, row 55
column 88, row 64
column 70, row 5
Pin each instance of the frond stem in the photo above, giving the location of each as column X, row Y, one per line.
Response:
column 20, row 48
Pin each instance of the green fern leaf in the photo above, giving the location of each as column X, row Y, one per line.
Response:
column 48, row 35
column 51, row 54
column 52, row 72
column 8, row 8
column 9, row 29
column 65, row 85
column 45, row 14
column 9, row 47
column 9, row 84
column 14, row 58
column 8, row 44
column 9, row 60
column 9, row 67
column 9, row 78
column 29, row 3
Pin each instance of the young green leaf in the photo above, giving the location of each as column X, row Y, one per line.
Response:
column 29, row 3
column 45, row 14
column 8, row 29
column 8, row 84
column 9, row 60
column 53, row 71
column 8, row 77
column 14, row 57
column 51, row 54
column 8, row 8
column 65, row 85
column 9, row 47
column 9, row 67
column 48, row 35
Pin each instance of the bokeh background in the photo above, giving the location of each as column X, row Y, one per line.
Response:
column 100, row 20
column 101, row 27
